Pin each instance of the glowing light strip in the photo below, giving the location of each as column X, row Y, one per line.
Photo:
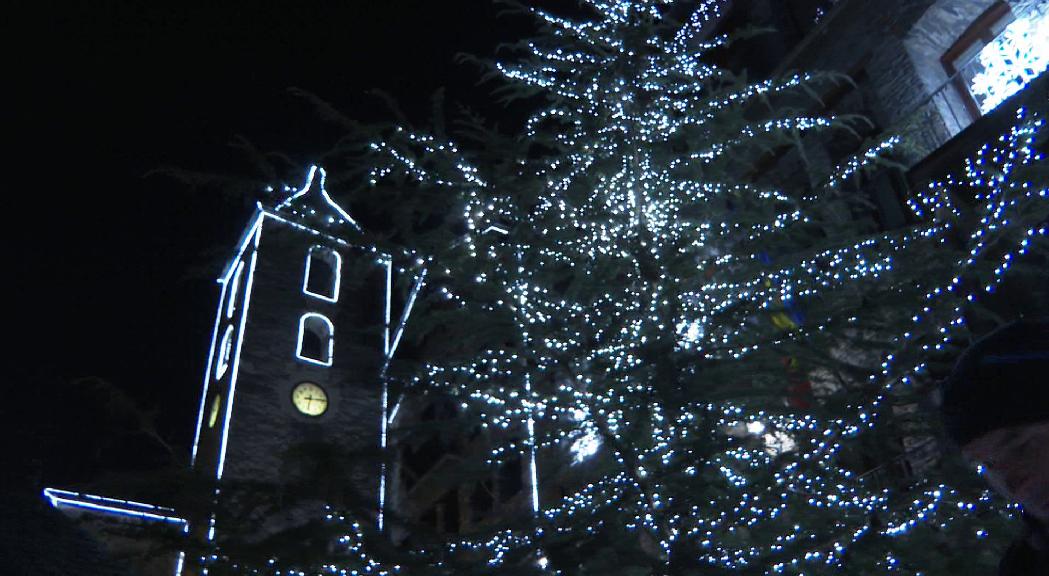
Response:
column 236, row 357
column 385, row 392
column 324, row 194
column 407, row 312
column 343, row 213
column 179, row 563
column 382, row 471
column 59, row 498
column 255, row 224
column 338, row 275
column 315, row 232
column 56, row 492
column 390, row 350
column 397, row 339
column 389, row 291
column 211, row 528
column 207, row 379
column 331, row 339
column 300, row 226
column 533, row 468
column 387, row 417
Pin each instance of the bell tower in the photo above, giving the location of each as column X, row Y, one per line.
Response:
column 295, row 392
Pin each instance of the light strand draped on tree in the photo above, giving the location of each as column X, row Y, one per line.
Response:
column 646, row 273
column 654, row 302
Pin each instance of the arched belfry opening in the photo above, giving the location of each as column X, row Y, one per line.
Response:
column 323, row 273
column 316, row 339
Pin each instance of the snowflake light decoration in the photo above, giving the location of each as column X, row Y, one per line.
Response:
column 1017, row 56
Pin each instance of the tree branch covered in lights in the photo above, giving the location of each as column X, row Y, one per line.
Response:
column 704, row 364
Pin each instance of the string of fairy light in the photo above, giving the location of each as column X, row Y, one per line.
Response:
column 618, row 196
column 624, row 196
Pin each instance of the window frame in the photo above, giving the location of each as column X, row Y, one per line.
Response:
column 336, row 273
column 979, row 31
column 225, row 353
column 330, row 350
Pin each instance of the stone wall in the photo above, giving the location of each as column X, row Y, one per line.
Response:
column 899, row 44
column 893, row 49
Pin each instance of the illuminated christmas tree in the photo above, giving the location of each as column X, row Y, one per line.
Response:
column 703, row 364
column 720, row 351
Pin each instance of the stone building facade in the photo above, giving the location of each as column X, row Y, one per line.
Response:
column 302, row 304
column 294, row 411
column 911, row 64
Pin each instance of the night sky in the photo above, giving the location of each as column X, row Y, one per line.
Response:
column 113, row 268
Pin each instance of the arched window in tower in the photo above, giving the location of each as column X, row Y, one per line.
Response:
column 316, row 339
column 225, row 351
column 323, row 270
column 234, row 288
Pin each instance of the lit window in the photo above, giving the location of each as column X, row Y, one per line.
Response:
column 323, row 267
column 997, row 56
column 1017, row 56
column 225, row 350
column 316, row 339
column 213, row 414
column 234, row 289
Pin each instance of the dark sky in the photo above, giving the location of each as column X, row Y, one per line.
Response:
column 113, row 269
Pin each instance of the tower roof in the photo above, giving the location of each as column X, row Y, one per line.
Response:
column 311, row 204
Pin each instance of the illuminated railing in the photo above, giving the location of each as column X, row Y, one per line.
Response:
column 90, row 502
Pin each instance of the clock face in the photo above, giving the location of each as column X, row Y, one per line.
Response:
column 310, row 399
